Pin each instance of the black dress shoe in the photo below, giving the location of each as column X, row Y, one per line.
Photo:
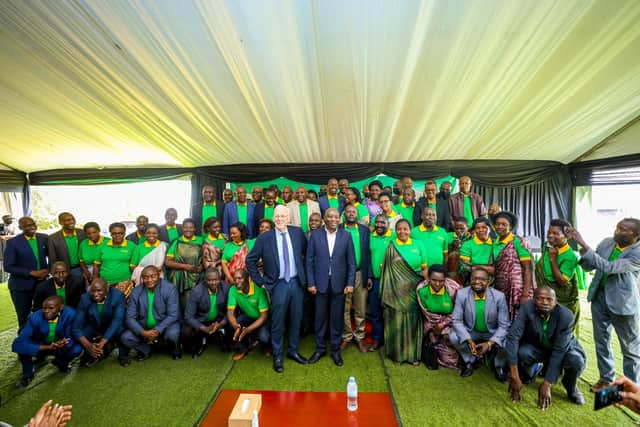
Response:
column 337, row 359
column 316, row 356
column 198, row 352
column 501, row 375
column 575, row 396
column 24, row 382
column 140, row 357
column 176, row 355
column 277, row 366
column 62, row 366
column 467, row 370
column 298, row 358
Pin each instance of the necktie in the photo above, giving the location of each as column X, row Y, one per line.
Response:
column 285, row 255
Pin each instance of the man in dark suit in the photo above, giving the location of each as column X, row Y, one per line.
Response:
column 169, row 231
column 240, row 210
column 64, row 244
column 282, row 253
column 465, row 203
column 69, row 288
column 207, row 208
column 25, row 258
column 99, row 321
column 363, row 281
column 264, row 209
column 437, row 202
column 543, row 334
column 332, row 199
column 146, row 327
column 331, row 273
column 137, row 236
column 47, row 332
column 205, row 321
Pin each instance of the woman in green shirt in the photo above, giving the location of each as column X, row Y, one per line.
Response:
column 478, row 250
column 436, row 297
column 235, row 251
column 89, row 249
column 114, row 259
column 213, row 243
column 151, row 251
column 184, row 261
column 404, row 266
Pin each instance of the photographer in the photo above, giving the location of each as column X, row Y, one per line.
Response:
column 630, row 395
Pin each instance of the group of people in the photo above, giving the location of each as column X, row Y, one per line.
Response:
column 442, row 279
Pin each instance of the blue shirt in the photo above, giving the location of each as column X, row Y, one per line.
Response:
column 293, row 272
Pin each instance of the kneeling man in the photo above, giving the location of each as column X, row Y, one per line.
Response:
column 543, row 333
column 152, row 316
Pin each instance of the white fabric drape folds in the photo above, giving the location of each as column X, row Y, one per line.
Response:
column 91, row 83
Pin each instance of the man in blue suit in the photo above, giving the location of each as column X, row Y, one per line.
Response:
column 281, row 251
column 239, row 210
column 48, row 331
column 152, row 314
column 332, row 199
column 25, row 258
column 99, row 321
column 331, row 273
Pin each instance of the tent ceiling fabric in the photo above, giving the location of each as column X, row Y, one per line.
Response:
column 194, row 83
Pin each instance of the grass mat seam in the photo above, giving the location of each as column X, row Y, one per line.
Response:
column 387, row 379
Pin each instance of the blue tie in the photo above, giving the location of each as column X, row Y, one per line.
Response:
column 285, row 255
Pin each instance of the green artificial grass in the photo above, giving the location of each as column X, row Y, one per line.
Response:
column 7, row 313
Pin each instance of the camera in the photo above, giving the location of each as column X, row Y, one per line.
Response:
column 607, row 396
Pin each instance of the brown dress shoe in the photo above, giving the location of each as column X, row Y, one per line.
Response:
column 362, row 347
column 600, row 385
column 344, row 344
column 239, row 355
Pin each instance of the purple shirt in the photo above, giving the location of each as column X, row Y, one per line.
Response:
column 374, row 209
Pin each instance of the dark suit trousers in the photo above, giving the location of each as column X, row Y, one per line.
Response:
column 329, row 315
column 22, row 302
column 573, row 363
column 285, row 298
column 63, row 356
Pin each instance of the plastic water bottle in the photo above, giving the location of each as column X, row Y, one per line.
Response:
column 352, row 394
column 254, row 419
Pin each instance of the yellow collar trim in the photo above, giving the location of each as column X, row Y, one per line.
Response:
column 30, row 238
column 620, row 248
column 241, row 204
column 58, row 287
column 220, row 237
column 148, row 245
column 392, row 214
column 412, row 205
column 99, row 242
column 507, row 239
column 169, row 227
column 184, row 239
column 401, row 243
column 477, row 298
column 356, row 204
column 213, row 203
column 123, row 245
column 74, row 234
column 564, row 249
column 387, row 234
column 251, row 288
column 440, row 292
column 329, row 196
column 480, row 242
column 423, row 228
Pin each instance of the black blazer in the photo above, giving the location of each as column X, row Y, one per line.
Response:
column 258, row 214
column 340, row 266
column 74, row 290
column 58, row 250
column 443, row 217
column 196, row 214
column 19, row 262
column 266, row 248
column 133, row 237
column 164, row 234
column 527, row 328
column 199, row 304
column 365, row 253
column 109, row 323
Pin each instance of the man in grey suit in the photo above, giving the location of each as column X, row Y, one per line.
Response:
column 475, row 335
column 64, row 244
column 145, row 326
column 614, row 297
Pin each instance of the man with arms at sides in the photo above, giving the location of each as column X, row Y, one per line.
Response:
column 137, row 236
column 69, row 288
column 614, row 297
column 239, row 210
column 209, row 207
column 375, row 189
column 247, row 311
column 406, row 205
column 379, row 240
column 363, row 282
column 205, row 315
column 434, row 238
column 480, row 323
column 25, row 258
column 170, row 231
column 465, row 203
column 301, row 209
column 64, row 244
column 543, row 333
column 99, row 321
column 343, row 184
column 90, row 250
column 331, row 273
column 152, row 313
column 332, row 199
column 282, row 253
column 287, row 195
column 265, row 209
column 439, row 204
column 47, row 332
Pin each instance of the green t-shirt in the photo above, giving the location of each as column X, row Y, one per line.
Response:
column 437, row 303
column 413, row 252
column 195, row 240
column 62, row 293
column 363, row 212
column 33, row 244
column 499, row 245
column 545, row 335
column 468, row 211
column 378, row 246
column 90, row 251
column 115, row 260
column 172, row 232
column 434, row 242
column 304, row 217
column 432, row 206
column 614, row 256
column 72, row 247
column 230, row 250
column 481, row 323
column 242, row 213
column 405, row 211
column 252, row 303
column 334, row 202
column 355, row 238
column 151, row 321
column 142, row 250
column 209, row 210
column 213, row 309
column 51, row 336
column 567, row 262
column 268, row 212
column 476, row 252
column 218, row 242
column 100, row 306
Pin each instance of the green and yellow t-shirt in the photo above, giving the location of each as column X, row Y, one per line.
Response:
column 90, row 251
column 151, row 321
column 213, row 309
column 468, row 210
column 499, row 245
column 71, row 240
column 617, row 250
column 172, row 232
column 334, row 202
column 51, row 336
column 436, row 302
column 195, row 240
column 434, row 242
column 218, row 242
column 114, row 261
column 241, row 208
column 61, row 291
column 142, row 250
column 209, row 210
column 413, row 252
column 251, row 303
column 33, row 244
column 567, row 262
column 406, row 211
column 378, row 246
column 304, row 216
column 230, row 250
column 354, row 231
column 481, row 322
column 268, row 211
column 476, row 252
